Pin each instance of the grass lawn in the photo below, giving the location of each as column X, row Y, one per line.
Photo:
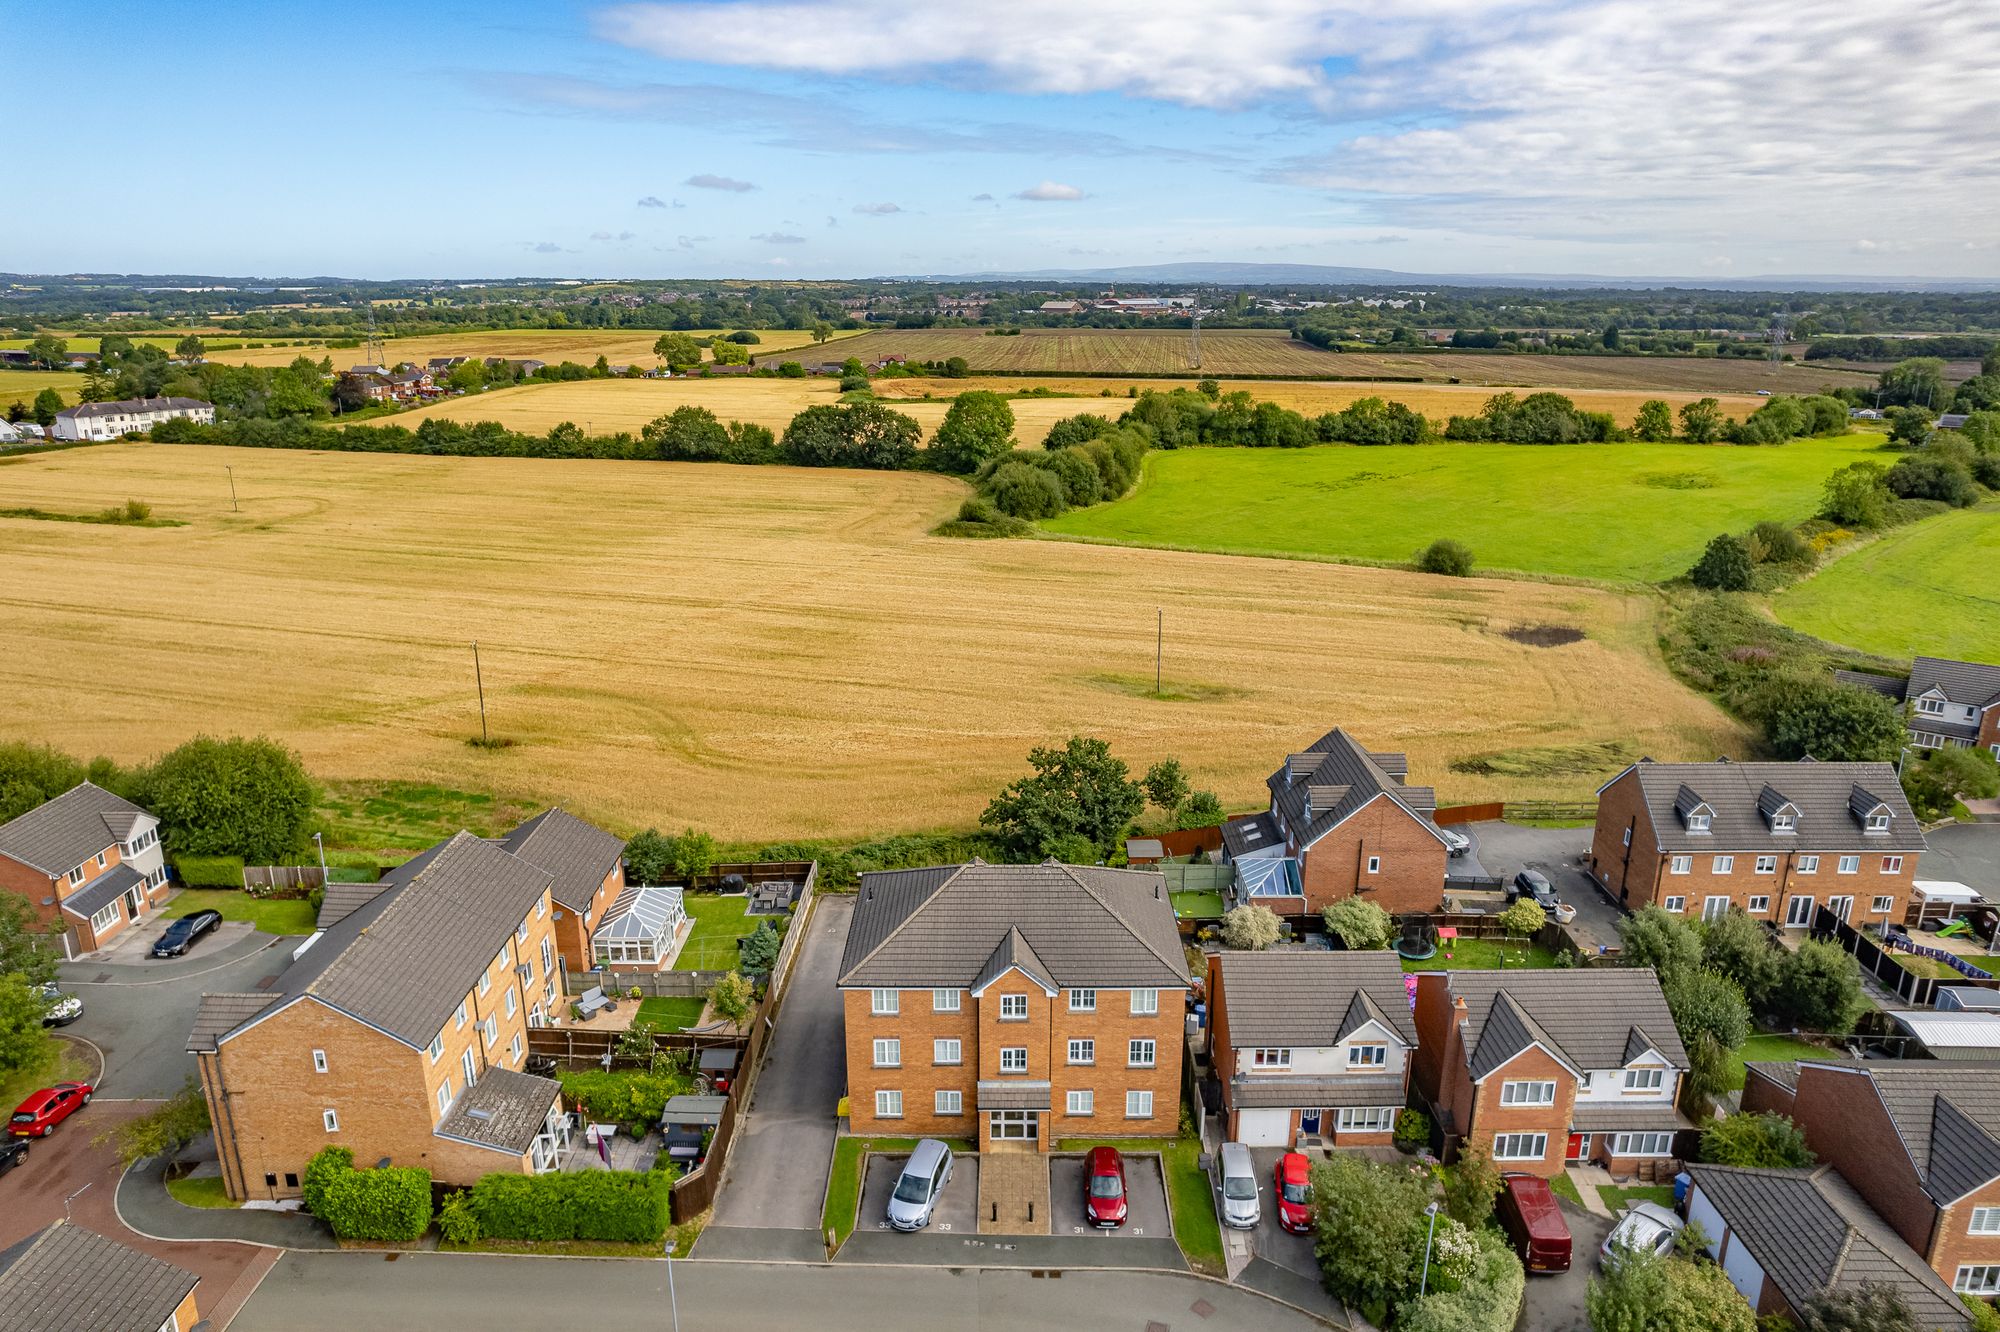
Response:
column 681, row 1237
column 271, row 915
column 410, row 816
column 1759, row 1049
column 63, row 1062
column 718, row 923
column 1929, row 966
column 1196, row 1228
column 1198, row 906
column 672, row 1014
column 1483, row 955
column 1923, row 588
column 1565, row 1187
column 204, row 1192
column 1616, row 1197
column 1621, row 512
column 843, row 1190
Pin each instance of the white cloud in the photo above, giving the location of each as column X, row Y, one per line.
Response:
column 729, row 183
column 778, row 238
column 877, row 209
column 652, row 201
column 689, row 242
column 543, row 247
column 608, row 236
column 1866, row 246
column 1050, row 192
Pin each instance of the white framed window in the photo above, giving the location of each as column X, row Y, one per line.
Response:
column 1849, row 865
column 468, row 1064
column 76, row 875
column 1520, row 1146
column 1013, row 1059
column 1138, row 1105
column 1644, row 1079
column 485, row 983
column 1145, row 1002
column 1807, row 865
column 1722, row 865
column 947, row 1051
column 437, row 1047
column 444, row 1097
column 1642, row 1144
column 1881, row 906
column 500, row 960
column 944, row 1001
column 1083, row 1001
column 1278, row 1057
column 1527, row 1093
column 1714, row 908
column 1892, row 864
column 1767, row 864
column 948, row 1103
column 1374, row 864
column 1083, row 1052
column 1674, row 904
column 330, row 1120
column 1977, row 1279
column 883, row 1002
column 512, row 1003
column 1697, row 823
column 1367, row 1119
column 1139, row 1054
column 542, row 909
column 888, row 1105
column 1784, row 823
column 521, row 932
column 1985, row 1221
column 514, row 1048
column 1799, row 912
column 1367, row 1056
column 888, row 1053
column 319, row 1061
column 105, row 917
column 1933, row 707
column 100, row 860
column 1760, row 905
column 1628, row 837
column 1080, row 1103
column 1680, row 865
column 1013, row 1008
column 1876, row 823
column 490, row 1030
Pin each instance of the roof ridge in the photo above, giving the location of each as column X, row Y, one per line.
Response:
column 918, row 910
column 1173, row 963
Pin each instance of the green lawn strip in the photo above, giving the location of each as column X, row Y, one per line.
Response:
column 566, row 1248
column 1621, row 512
column 392, row 816
column 1769, row 1048
column 1189, row 1193
column 1935, row 968
column 672, row 1014
column 1198, row 906
column 718, row 923
column 204, row 1192
column 1617, row 1196
column 1926, row 587
column 1483, row 955
column 272, row 915
column 843, row 1189
column 1565, row 1187
column 63, row 1062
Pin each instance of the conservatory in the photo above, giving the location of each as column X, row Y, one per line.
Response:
column 640, row 929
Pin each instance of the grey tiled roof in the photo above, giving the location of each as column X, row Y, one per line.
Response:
column 342, row 900
column 1588, row 1014
column 1257, row 1091
column 1509, row 1030
column 219, row 1013
column 1347, row 777
column 504, row 1110
column 1891, row 686
column 1948, row 1116
column 1783, row 1072
column 101, row 891
column 131, row 406
column 1810, row 1231
column 68, row 1279
column 1601, row 1117
column 1013, row 1094
column 579, row 854
column 1013, row 951
column 58, row 835
column 1823, row 792
column 1305, row 999
column 1256, row 833
column 940, row 926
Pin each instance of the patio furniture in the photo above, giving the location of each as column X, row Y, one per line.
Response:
column 594, row 999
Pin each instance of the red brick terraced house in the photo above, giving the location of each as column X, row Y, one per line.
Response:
column 1311, row 1046
column 87, row 862
column 1342, row 824
column 1777, row 840
column 400, row 1032
column 1543, row 1068
column 589, row 868
column 1014, row 1004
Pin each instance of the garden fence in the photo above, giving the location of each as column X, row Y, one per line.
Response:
column 1879, row 962
column 284, row 877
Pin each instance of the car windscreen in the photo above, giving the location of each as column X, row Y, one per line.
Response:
column 1106, row 1186
column 180, row 929
column 912, row 1188
column 1239, row 1188
column 1297, row 1193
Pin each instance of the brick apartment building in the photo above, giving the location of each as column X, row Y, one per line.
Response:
column 1543, row 1068
column 1342, row 823
column 1774, row 839
column 400, row 1033
column 588, row 865
column 1310, row 1045
column 1041, row 1001
column 88, row 862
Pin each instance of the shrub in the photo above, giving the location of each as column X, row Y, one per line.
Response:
column 628, row 1096
column 1251, row 928
column 1488, row 1300
column 649, row 858
column 210, row 871
column 248, row 798
column 1413, row 1130
column 1524, row 919
column 1470, row 1186
column 1819, row 986
column 1831, row 722
column 1724, row 567
column 1776, row 543
column 979, row 426
column 759, row 951
column 1028, row 493
column 1706, row 1003
column 1445, row 556
column 732, row 998
column 1651, row 937
column 1080, row 429
column 1873, row 1306
column 1755, row 1140
column 457, row 1222
column 692, row 853
column 1369, row 1229
column 326, row 1164
column 1931, row 476
column 1361, row 924
column 617, row 1206
column 1737, row 946
column 391, row 1203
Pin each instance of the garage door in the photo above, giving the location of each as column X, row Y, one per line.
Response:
column 1264, row 1128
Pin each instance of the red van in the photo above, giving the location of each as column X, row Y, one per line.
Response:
column 1529, row 1213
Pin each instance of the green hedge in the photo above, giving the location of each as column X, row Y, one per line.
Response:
column 327, row 1164
column 613, row 1205
column 210, row 871
column 1488, row 1301
column 625, row 1097
column 388, row 1203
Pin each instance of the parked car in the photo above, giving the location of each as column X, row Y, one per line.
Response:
column 1534, row 884
column 61, row 1009
column 1239, row 1188
column 1647, row 1228
column 182, row 934
column 1529, row 1215
column 920, row 1185
column 1291, row 1185
column 1104, row 1188
column 38, row 1116
column 13, row 1151
column 1455, row 842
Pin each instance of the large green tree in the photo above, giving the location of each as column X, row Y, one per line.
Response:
column 1078, row 791
column 979, row 426
column 1654, row 423
column 1369, row 1229
column 25, row 1045
column 47, row 403
column 861, row 434
column 1701, row 422
column 1855, row 496
column 1916, row 382
column 1724, row 567
column 677, row 350
column 31, row 774
column 1737, row 945
column 1944, row 777
column 48, row 351
column 1705, row 1003
column 236, row 797
column 1819, row 986
column 1832, row 722
column 1652, row 937
column 27, row 949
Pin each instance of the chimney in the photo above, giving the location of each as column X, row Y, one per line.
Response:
column 1459, row 1017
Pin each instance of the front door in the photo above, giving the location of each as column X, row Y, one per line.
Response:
column 1579, row 1147
column 1798, row 912
column 1841, row 907
column 1309, row 1122
column 132, row 904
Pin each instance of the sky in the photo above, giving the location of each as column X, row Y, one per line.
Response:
column 853, row 138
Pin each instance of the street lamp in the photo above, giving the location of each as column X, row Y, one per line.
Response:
column 1424, row 1285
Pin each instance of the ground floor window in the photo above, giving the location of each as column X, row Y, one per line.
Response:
column 1520, row 1146
column 1642, row 1144
column 103, row 919
column 1978, row 1279
column 1367, row 1119
column 888, row 1105
column 949, row 1103
column 1760, row 906
column 1014, row 1125
column 614, row 951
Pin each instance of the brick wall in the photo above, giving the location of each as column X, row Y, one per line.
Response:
column 185, row 1314
column 1411, row 877
column 1955, row 1245
column 1490, row 1117
column 1629, row 873
column 33, row 887
column 1114, row 1026
column 919, row 1028
column 1762, row 1096
column 1847, row 1128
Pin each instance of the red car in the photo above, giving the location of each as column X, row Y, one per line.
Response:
column 38, row 1116
column 1104, row 1188
column 1293, row 1189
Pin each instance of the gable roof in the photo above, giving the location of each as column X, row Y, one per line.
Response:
column 1971, row 683
column 133, row 406
column 1947, row 1115
column 68, row 1279
column 1810, row 1231
column 58, row 835
column 1318, row 788
column 1311, row 998
column 1014, row 953
column 578, row 854
column 1825, row 794
column 1591, row 1019
column 948, row 924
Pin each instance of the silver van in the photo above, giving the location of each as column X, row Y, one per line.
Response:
column 920, row 1185
column 1239, row 1188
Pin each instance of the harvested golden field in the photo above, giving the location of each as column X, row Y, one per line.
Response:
column 22, row 386
column 765, row 652
column 620, row 346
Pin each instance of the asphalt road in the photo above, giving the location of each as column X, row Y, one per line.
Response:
column 339, row 1292
column 1967, row 853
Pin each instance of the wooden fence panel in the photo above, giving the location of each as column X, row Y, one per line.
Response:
column 283, row 876
column 1450, row 815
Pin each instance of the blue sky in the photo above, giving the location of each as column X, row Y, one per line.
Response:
column 827, row 138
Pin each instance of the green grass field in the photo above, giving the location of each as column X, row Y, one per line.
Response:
column 271, row 915
column 1768, row 1049
column 1620, row 512
column 1927, row 588
column 22, row 386
column 718, row 923
column 1483, row 955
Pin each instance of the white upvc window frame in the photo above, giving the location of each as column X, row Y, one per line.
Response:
column 1677, row 904
column 1013, row 1059
column 1892, row 864
column 319, row 1061
column 1514, row 1146
column 1645, row 1079
column 1528, row 1091
column 1271, row 1056
column 1760, row 905
column 1806, row 865
column 946, row 1001
column 1013, row 1008
column 1138, row 1105
column 1081, row 1050
column 1722, row 865
column 1142, row 1052
column 1680, row 865
column 1083, row 1001
column 1080, row 1103
column 1767, row 865
column 948, row 1101
column 329, row 1120
column 947, row 1051
column 885, row 1003
column 1365, row 1119
column 1145, row 1003
column 1644, row 1143
column 887, row 1052
column 1372, row 1055
column 1848, row 865
column 888, row 1103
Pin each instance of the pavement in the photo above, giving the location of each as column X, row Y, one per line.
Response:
column 1508, row 848
column 133, row 947
column 777, row 1172
column 1556, row 1303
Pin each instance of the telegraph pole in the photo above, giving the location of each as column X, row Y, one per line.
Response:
column 1159, row 647
column 480, row 679
column 232, row 488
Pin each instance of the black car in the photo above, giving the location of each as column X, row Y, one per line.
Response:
column 181, row 935
column 13, row 1151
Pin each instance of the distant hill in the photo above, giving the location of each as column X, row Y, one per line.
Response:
column 1327, row 275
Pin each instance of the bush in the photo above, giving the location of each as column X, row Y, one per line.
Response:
column 1489, row 1300
column 1755, row 1140
column 732, row 998
column 759, row 951
column 1819, row 987
column 1025, row 492
column 327, row 1164
column 1251, row 928
column 1524, row 919
column 1776, row 543
column 649, row 858
column 1369, row 1229
column 247, row 798
column 1079, row 429
column 979, row 426
column 1445, row 556
column 1736, row 945
column 1832, row 722
column 1359, row 923
column 1652, row 937
column 457, row 1222
column 1705, row 1003
column 1470, row 1186
column 1724, row 567
column 628, row 1096
column 390, row 1203
column 1413, row 1130
column 210, row 871
column 615, row 1206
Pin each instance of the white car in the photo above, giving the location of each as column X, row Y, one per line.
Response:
column 1239, row 1188
column 1647, row 1228
column 1456, row 843
column 59, row 1009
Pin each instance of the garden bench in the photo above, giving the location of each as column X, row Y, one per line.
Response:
column 593, row 999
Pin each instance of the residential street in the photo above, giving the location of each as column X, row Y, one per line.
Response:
column 1967, row 853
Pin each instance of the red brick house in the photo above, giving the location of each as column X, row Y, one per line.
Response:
column 87, row 862
column 589, row 868
column 1543, row 1068
column 1776, row 840
column 1342, row 823
column 1310, row 1045
column 67, row 1279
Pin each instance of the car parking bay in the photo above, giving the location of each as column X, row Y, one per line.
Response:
column 957, row 1211
column 1146, row 1215
column 1272, row 1241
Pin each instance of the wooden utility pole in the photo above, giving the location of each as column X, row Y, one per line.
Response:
column 480, row 679
column 232, row 488
column 1159, row 647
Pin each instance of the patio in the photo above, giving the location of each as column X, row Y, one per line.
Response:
column 615, row 1151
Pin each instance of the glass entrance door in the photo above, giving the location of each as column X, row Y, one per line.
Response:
column 1014, row 1125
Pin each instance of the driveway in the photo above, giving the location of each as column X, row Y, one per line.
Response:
column 956, row 1213
column 1145, row 1200
column 1556, row 1303
column 1508, row 848
column 1968, row 853
column 776, row 1178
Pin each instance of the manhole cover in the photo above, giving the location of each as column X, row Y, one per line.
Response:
column 100, row 978
column 1158, row 1327
column 1202, row 1308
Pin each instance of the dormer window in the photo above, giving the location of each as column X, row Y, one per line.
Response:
column 1698, row 821
column 1876, row 822
column 1784, row 823
column 1932, row 707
